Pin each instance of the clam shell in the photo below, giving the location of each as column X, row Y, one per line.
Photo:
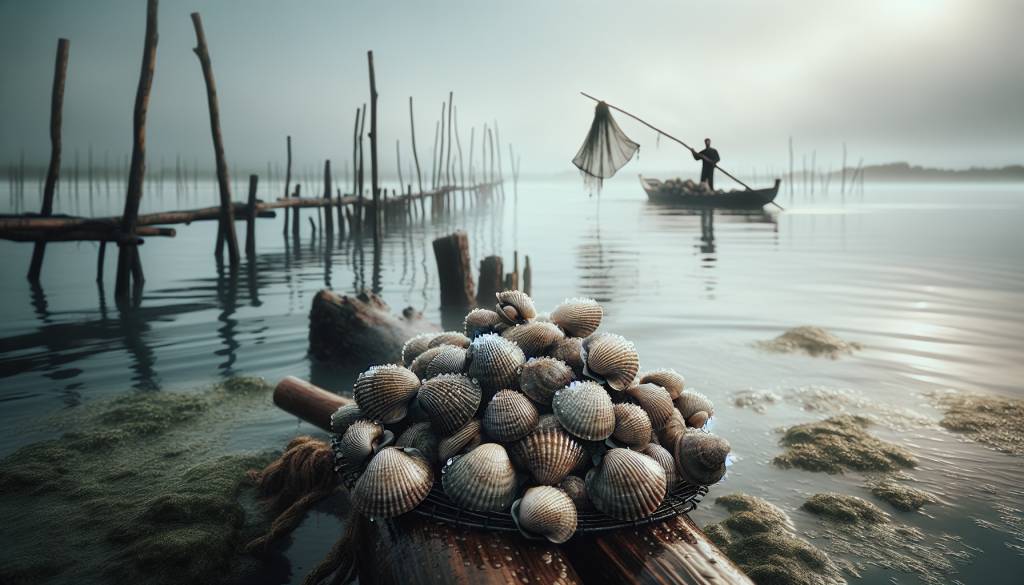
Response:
column 535, row 339
column 700, row 457
column 626, row 485
column 670, row 433
column 548, row 454
column 420, row 436
column 482, row 480
column 665, row 460
column 416, row 345
column 585, row 410
column 695, row 408
column 515, row 307
column 611, row 359
column 419, row 365
column 494, row 362
column 465, row 439
column 383, row 392
column 455, row 338
column 509, row 416
column 549, row 421
column 541, row 377
column 449, row 401
column 545, row 511
column 655, row 400
column 632, row 425
column 355, row 447
column 670, row 380
column 578, row 317
column 344, row 416
column 441, row 359
column 480, row 321
column 394, row 482
column 570, row 351
column 576, row 489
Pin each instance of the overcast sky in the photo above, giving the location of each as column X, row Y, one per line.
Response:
column 933, row 82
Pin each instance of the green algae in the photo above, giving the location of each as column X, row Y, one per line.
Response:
column 138, row 489
column 813, row 341
column 844, row 508
column 993, row 421
column 759, row 538
column 840, row 443
column 901, row 496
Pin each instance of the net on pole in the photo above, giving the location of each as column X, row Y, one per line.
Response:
column 605, row 150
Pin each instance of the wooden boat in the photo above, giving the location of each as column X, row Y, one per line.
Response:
column 660, row 192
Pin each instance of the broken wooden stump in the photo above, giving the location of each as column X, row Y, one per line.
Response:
column 490, row 280
column 453, row 269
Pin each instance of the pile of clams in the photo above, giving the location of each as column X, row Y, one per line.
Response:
column 535, row 415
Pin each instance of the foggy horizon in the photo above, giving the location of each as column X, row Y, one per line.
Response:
column 930, row 83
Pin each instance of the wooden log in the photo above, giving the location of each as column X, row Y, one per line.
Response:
column 186, row 216
column 84, row 235
column 490, row 281
column 453, row 269
column 307, row 401
column 227, row 223
column 128, row 261
column 60, row 73
column 287, row 180
column 250, row 219
column 374, row 185
column 328, row 212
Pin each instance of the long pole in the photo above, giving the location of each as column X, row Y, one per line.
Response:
column 448, row 156
column 415, row 156
column 287, row 180
column 373, row 146
column 670, row 137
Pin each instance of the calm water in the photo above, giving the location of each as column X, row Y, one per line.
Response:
column 927, row 277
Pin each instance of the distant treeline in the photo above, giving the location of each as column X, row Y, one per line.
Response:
column 902, row 171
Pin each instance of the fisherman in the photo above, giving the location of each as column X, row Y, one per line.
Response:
column 710, row 157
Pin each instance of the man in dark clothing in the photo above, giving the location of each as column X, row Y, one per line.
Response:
column 710, row 157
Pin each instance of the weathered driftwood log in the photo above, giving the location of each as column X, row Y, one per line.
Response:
column 453, row 270
column 64, row 222
column 103, row 235
column 490, row 280
column 360, row 330
column 308, row 402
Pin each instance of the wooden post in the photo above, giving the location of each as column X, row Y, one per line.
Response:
column 441, row 179
column 458, row 144
column 497, row 143
column 415, row 156
column 448, row 156
column 398, row 163
column 227, row 220
column 295, row 210
column 433, row 158
column 100, row 259
column 362, row 184
column 842, row 184
column 453, row 269
column 60, row 73
column 128, row 263
column 287, row 181
column 374, row 184
column 250, row 219
column 328, row 212
column 472, row 144
column 355, row 156
column 527, row 277
column 490, row 281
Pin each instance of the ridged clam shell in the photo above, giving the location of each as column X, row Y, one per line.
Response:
column 482, row 480
column 394, row 482
column 545, row 511
column 585, row 410
column 578, row 317
column 465, row 439
column 670, row 433
column 610, row 358
column 419, row 365
column 632, row 425
column 695, row 408
column 548, row 454
column 383, row 392
column 541, row 377
column 626, row 485
column 549, row 421
column 416, row 345
column 345, row 416
column 448, row 359
column 480, row 321
column 355, row 447
column 655, row 400
column 455, row 338
column 665, row 460
column 509, row 416
column 420, row 436
column 494, row 362
column 576, row 489
column 670, row 380
column 700, row 457
column 570, row 351
column 515, row 307
column 535, row 339
column 449, row 401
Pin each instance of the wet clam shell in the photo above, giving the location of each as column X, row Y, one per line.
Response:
column 494, row 362
column 449, row 401
column 626, row 485
column 535, row 339
column 465, row 439
column 355, row 448
column 394, row 482
column 666, row 460
column 345, row 416
column 570, row 351
column 509, row 416
column 578, row 317
column 695, row 408
column 515, row 307
column 420, row 436
column 674, row 427
column 611, row 359
column 455, row 338
column 668, row 379
column 541, row 377
column 383, row 392
column 480, row 321
column 549, row 455
column 576, row 489
column 547, row 512
column 416, row 345
column 700, row 457
column 443, row 359
column 483, row 479
column 632, row 425
column 655, row 400
column 585, row 410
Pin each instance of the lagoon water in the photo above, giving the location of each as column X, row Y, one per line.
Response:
column 928, row 278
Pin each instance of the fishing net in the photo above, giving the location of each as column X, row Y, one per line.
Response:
column 605, row 150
